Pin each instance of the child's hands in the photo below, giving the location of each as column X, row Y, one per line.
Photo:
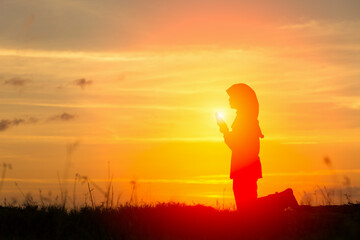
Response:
column 222, row 124
column 223, row 127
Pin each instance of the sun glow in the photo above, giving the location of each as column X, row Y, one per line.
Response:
column 219, row 115
column 157, row 80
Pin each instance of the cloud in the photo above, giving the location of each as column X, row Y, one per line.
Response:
column 344, row 87
column 6, row 123
column 307, row 24
column 62, row 117
column 66, row 31
column 16, row 82
column 82, row 82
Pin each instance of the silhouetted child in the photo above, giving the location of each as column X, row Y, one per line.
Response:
column 244, row 142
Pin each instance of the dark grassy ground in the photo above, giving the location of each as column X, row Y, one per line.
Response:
column 176, row 221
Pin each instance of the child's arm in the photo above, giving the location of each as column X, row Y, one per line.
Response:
column 223, row 127
column 228, row 136
column 230, row 139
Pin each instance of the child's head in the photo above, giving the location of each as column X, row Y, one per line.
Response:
column 243, row 99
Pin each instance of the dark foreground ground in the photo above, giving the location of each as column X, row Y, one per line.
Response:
column 176, row 221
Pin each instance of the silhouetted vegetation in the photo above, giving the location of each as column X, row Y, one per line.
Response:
column 178, row 221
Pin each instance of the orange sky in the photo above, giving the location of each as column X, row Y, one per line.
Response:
column 137, row 85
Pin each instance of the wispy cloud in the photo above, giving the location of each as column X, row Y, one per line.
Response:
column 110, row 106
column 7, row 123
column 62, row 117
column 88, row 55
column 82, row 82
column 307, row 24
column 300, row 143
column 16, row 82
column 224, row 177
column 206, row 179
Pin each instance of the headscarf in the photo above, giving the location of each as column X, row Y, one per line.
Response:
column 246, row 98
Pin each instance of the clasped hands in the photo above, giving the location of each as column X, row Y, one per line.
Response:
column 222, row 125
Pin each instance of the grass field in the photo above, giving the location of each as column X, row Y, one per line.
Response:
column 178, row 221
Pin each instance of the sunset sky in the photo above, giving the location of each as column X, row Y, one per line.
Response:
column 135, row 85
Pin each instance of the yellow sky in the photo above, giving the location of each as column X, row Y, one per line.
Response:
column 140, row 92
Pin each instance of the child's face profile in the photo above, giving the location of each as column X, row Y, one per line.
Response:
column 243, row 99
column 237, row 104
column 233, row 103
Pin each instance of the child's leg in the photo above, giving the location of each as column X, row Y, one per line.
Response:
column 245, row 191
